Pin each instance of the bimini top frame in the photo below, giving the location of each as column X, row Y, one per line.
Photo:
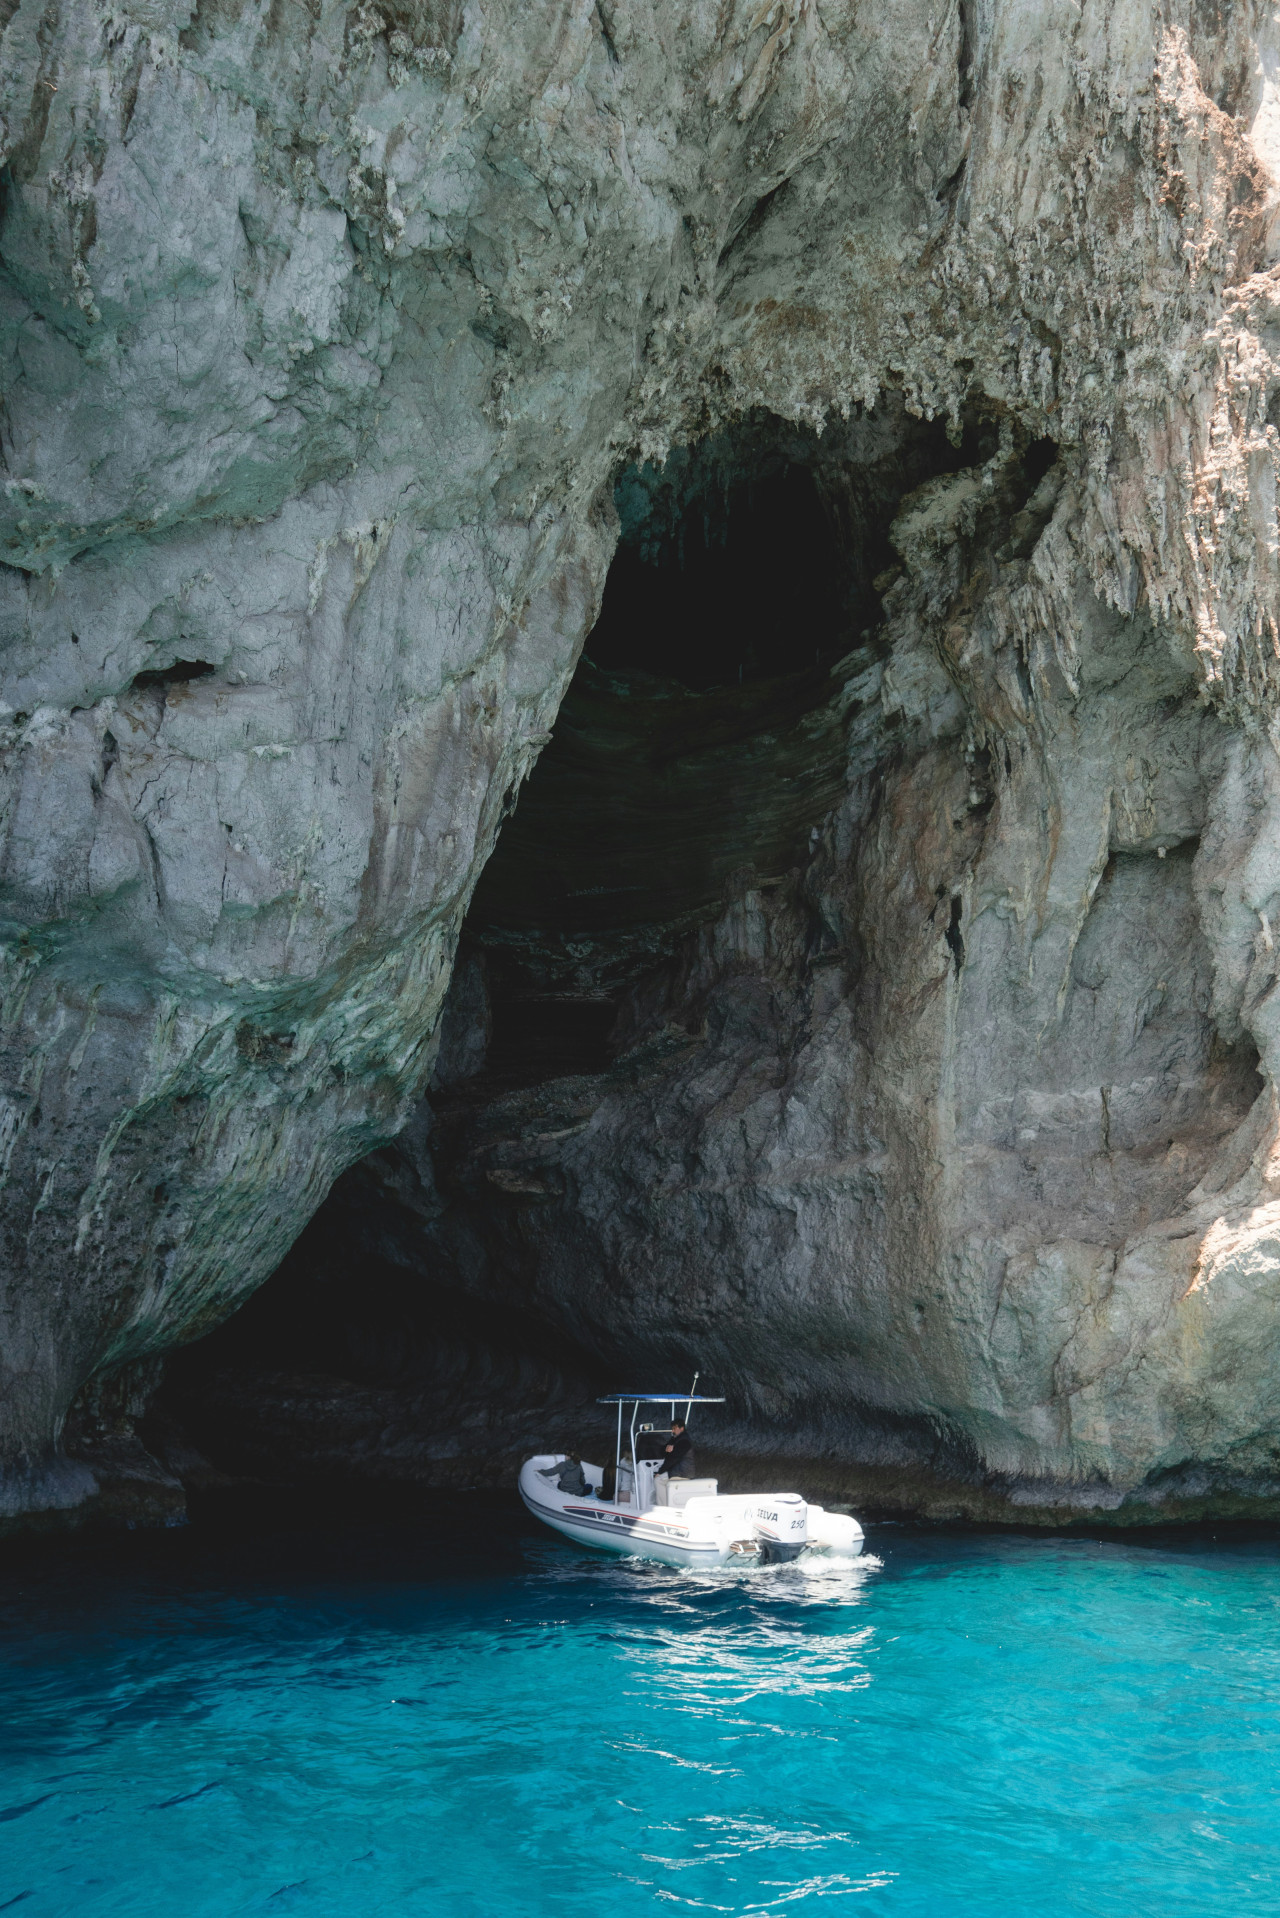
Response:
column 635, row 1400
column 658, row 1398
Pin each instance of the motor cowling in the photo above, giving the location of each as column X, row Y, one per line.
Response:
column 780, row 1523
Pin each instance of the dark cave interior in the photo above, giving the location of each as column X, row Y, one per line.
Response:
column 705, row 732
column 739, row 589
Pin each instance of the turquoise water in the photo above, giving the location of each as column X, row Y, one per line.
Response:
column 379, row 1722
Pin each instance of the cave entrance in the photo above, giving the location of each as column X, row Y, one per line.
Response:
column 705, row 732
column 723, row 697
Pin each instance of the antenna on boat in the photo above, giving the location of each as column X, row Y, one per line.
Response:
column 689, row 1403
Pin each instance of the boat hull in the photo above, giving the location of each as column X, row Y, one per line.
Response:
column 607, row 1528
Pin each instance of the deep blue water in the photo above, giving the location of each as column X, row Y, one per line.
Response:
column 377, row 1722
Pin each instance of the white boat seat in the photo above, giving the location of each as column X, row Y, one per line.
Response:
column 678, row 1491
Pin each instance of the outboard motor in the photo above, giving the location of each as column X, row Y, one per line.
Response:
column 781, row 1524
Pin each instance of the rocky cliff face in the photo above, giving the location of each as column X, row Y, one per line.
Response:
column 924, row 976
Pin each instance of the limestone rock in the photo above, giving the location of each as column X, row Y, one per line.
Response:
column 326, row 332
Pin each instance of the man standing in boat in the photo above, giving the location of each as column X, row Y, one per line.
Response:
column 677, row 1461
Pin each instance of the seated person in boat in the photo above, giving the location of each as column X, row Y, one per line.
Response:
column 568, row 1475
column 677, row 1460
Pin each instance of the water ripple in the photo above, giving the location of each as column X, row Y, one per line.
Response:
column 375, row 1727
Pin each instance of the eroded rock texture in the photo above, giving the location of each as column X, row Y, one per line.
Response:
column 929, row 967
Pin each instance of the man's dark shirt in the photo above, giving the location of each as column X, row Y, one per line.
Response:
column 678, row 1462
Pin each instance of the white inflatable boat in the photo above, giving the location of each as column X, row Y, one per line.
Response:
column 681, row 1521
